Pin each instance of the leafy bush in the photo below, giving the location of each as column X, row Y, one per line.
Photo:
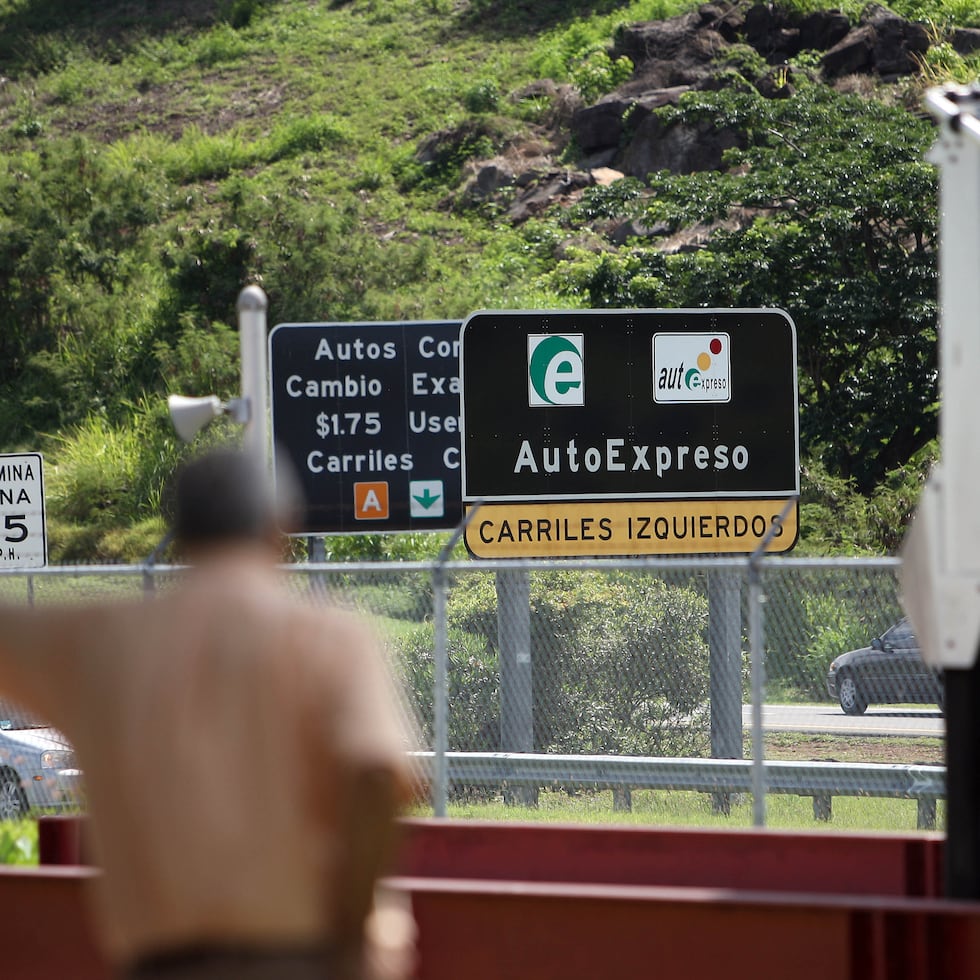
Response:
column 201, row 359
column 812, row 616
column 440, row 160
column 108, row 474
column 596, row 73
column 219, row 45
column 609, row 201
column 578, row 54
column 474, row 718
column 309, row 134
column 965, row 13
column 834, row 625
column 18, row 842
column 620, row 664
column 482, row 97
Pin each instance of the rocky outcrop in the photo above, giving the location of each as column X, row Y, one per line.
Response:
column 721, row 44
column 689, row 52
column 883, row 44
column 965, row 40
column 665, row 54
column 656, row 145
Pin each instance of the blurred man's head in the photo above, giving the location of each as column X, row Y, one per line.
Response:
column 225, row 497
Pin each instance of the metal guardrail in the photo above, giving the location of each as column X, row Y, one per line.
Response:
column 821, row 780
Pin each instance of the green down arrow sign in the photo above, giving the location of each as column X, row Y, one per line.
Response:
column 427, row 499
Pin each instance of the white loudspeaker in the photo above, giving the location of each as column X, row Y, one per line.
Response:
column 190, row 415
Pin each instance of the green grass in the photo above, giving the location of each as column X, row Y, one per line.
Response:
column 19, row 845
column 655, row 808
column 70, row 589
column 18, row 842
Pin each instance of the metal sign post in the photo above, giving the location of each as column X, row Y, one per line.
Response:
column 516, row 672
column 252, row 306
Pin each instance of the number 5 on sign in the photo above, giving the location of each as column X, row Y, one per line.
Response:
column 23, row 535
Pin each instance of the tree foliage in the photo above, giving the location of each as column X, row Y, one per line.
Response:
column 829, row 212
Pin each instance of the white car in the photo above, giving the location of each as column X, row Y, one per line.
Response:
column 37, row 766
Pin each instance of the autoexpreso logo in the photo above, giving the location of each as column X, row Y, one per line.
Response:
column 692, row 367
column 555, row 369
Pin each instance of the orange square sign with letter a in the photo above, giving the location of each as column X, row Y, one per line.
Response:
column 371, row 501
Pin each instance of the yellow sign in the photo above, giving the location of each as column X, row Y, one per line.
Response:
column 628, row 527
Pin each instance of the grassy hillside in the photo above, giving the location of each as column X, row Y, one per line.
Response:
column 158, row 155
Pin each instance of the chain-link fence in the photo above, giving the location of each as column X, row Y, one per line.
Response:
column 680, row 690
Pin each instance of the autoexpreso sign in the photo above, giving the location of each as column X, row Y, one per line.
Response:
column 629, row 404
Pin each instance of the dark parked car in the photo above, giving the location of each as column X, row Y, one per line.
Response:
column 889, row 671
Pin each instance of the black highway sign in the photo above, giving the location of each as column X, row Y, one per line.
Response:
column 629, row 404
column 367, row 417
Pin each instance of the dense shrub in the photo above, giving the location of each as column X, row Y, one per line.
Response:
column 474, row 718
column 620, row 665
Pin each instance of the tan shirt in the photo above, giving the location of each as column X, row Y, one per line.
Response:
column 213, row 726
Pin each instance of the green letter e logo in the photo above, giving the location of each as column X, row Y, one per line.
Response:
column 555, row 369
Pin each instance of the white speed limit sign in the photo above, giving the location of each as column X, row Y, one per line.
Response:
column 23, row 536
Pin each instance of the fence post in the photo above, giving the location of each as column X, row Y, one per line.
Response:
column 925, row 813
column 516, row 696
column 440, row 693
column 149, row 565
column 725, row 667
column 757, row 648
column 757, row 651
column 316, row 554
column 440, row 671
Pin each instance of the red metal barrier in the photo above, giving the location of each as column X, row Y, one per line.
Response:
column 59, row 839
column 849, row 864
column 825, row 863
column 497, row 900
column 45, row 932
column 489, row 930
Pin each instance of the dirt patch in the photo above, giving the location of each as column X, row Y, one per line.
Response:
column 829, row 748
column 170, row 108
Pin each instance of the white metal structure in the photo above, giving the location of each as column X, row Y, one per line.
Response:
column 941, row 568
column 190, row 414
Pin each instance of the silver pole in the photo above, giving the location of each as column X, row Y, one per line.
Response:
column 440, row 678
column 440, row 776
column 252, row 306
column 725, row 671
column 756, row 598
column 757, row 652
column 516, row 692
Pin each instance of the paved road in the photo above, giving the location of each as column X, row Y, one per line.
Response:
column 829, row 719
